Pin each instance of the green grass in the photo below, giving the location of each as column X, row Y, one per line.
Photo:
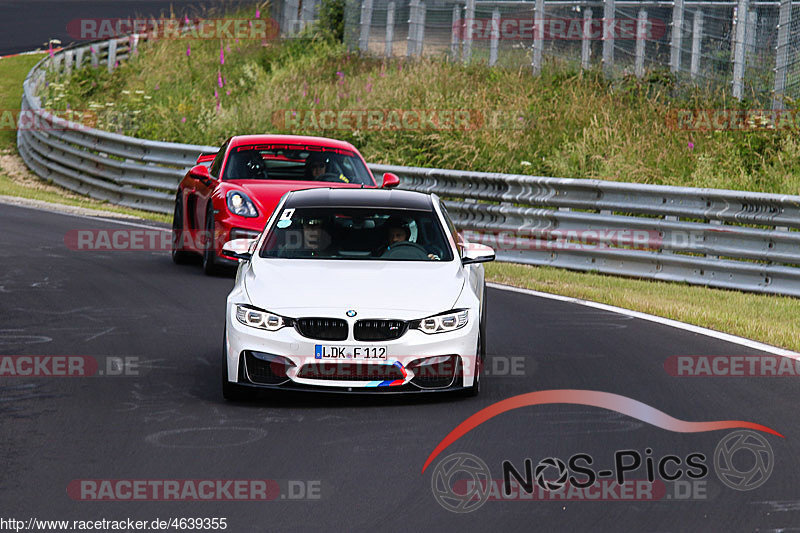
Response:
column 12, row 73
column 53, row 194
column 769, row 319
column 574, row 123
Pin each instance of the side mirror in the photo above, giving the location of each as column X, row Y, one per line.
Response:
column 239, row 248
column 476, row 253
column 200, row 172
column 390, row 181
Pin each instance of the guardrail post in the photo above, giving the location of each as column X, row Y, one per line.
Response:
column 782, row 53
column 79, row 57
column 738, row 47
column 677, row 36
column 641, row 41
column 469, row 18
column 608, row 38
column 697, row 42
column 134, row 44
column 112, row 54
column 389, row 29
column 455, row 30
column 68, row 62
column 538, row 37
column 366, row 21
column 95, row 56
column 495, row 37
column 586, row 43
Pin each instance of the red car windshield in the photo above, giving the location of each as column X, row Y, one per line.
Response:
column 296, row 163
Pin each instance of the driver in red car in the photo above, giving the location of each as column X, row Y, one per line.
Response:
column 316, row 165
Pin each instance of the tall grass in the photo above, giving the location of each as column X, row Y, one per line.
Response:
column 573, row 123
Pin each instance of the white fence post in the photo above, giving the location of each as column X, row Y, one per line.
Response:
column 289, row 28
column 366, row 21
column 677, row 36
column 79, row 57
column 495, row 37
column 538, row 37
column 750, row 33
column 455, row 31
column 586, row 43
column 782, row 53
column 738, row 48
column 421, row 12
column 697, row 42
column 307, row 13
column 411, row 38
column 95, row 55
column 608, row 37
column 68, row 62
column 469, row 16
column 112, row 54
column 641, row 41
column 389, row 29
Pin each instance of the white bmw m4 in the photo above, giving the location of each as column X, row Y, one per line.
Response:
column 356, row 290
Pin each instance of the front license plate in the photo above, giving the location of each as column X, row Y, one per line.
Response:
column 351, row 353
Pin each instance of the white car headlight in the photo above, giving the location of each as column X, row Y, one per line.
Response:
column 240, row 204
column 441, row 323
column 258, row 318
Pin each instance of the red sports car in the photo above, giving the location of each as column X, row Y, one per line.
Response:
column 234, row 196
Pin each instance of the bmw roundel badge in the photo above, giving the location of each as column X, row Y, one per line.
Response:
column 351, row 313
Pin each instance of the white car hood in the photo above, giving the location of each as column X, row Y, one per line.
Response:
column 403, row 289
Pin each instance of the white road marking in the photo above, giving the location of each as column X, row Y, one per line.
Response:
column 657, row 319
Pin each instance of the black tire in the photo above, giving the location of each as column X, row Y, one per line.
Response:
column 179, row 256
column 210, row 264
column 232, row 391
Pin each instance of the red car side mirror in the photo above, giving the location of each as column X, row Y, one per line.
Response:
column 200, row 172
column 390, row 181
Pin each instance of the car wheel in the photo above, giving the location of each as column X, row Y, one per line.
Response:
column 210, row 265
column 179, row 256
column 231, row 391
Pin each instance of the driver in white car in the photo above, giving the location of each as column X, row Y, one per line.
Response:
column 398, row 231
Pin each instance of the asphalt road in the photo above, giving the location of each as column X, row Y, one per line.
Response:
column 364, row 455
column 30, row 24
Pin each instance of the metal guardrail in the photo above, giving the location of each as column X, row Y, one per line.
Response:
column 728, row 239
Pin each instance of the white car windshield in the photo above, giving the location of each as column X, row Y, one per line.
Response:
column 357, row 233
